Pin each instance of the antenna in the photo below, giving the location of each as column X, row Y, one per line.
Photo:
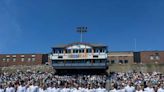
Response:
column 135, row 44
column 81, row 30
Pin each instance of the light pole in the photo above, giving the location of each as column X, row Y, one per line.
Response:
column 81, row 30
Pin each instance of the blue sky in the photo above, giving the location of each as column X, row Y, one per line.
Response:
column 34, row 26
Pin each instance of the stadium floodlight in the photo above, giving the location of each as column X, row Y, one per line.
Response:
column 81, row 30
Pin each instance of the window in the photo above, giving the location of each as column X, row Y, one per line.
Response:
column 97, row 61
column 4, row 59
column 126, row 61
column 33, row 59
column 96, row 50
column 22, row 59
column 112, row 61
column 89, row 50
column 151, row 57
column 69, row 62
column 88, row 61
column 104, row 50
column 14, row 56
column 8, row 59
column 33, row 55
column 81, row 51
column 68, row 51
column 157, row 57
column 7, row 55
column 60, row 51
column 121, row 61
column 75, row 51
column 14, row 59
column 56, row 51
column 22, row 55
column 29, row 59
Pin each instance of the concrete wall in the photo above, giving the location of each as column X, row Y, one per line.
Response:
column 136, row 67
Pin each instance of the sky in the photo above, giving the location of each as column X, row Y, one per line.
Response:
column 34, row 26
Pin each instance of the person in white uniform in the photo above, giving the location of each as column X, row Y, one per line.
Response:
column 49, row 87
column 1, row 88
column 114, row 88
column 21, row 87
column 139, row 88
column 130, row 88
column 10, row 88
column 149, row 88
column 33, row 88
column 161, row 88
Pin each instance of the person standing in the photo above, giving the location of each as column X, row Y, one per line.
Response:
column 21, row 87
column 1, row 88
column 10, row 88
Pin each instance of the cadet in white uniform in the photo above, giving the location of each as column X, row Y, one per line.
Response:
column 149, row 88
column 161, row 88
column 1, row 88
column 21, row 87
column 129, row 88
column 10, row 88
column 33, row 88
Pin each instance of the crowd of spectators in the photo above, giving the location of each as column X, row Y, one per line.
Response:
column 32, row 81
column 137, row 82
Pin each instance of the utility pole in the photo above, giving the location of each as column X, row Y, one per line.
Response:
column 135, row 44
column 81, row 30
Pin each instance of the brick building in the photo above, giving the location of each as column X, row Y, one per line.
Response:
column 152, row 57
column 121, row 57
column 22, row 59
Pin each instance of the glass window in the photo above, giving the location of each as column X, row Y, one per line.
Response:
column 22, row 59
column 96, row 50
column 22, row 55
column 157, row 57
column 69, row 62
column 112, row 61
column 33, row 55
column 4, row 59
column 29, row 59
column 89, row 50
column 60, row 51
column 151, row 57
column 81, row 51
column 126, row 61
column 68, row 51
column 8, row 59
column 14, row 56
column 88, row 61
column 33, row 59
column 75, row 51
column 55, row 51
column 121, row 61
column 7, row 55
column 97, row 61
column 14, row 59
